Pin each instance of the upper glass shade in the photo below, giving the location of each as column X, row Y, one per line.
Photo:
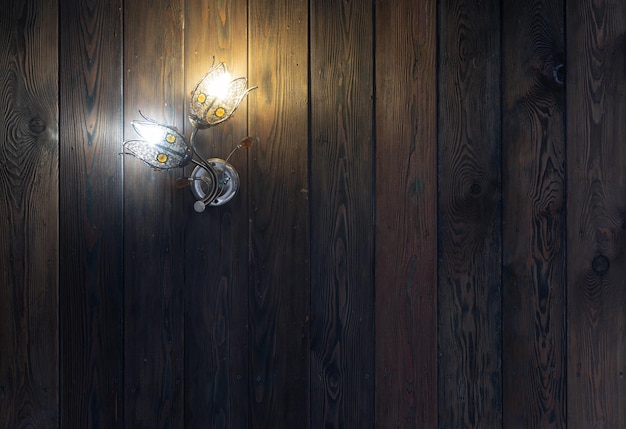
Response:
column 216, row 97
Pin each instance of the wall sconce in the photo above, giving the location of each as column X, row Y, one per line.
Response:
column 214, row 100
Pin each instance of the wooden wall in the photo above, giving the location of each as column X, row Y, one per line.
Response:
column 430, row 233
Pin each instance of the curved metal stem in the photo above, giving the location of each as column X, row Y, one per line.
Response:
column 202, row 162
column 231, row 153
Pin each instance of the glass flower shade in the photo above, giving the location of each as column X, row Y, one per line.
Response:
column 216, row 97
column 162, row 147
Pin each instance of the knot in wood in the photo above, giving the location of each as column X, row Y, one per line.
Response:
column 600, row 264
column 558, row 74
column 37, row 126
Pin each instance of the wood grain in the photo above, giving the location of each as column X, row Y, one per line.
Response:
column 534, row 230
column 596, row 269
column 216, row 241
column 341, row 195
column 469, row 291
column 278, row 201
column 314, row 297
column 406, row 214
column 91, row 209
column 29, row 215
column 153, row 222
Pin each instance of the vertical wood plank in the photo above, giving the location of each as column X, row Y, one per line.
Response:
column 534, row 230
column 406, row 214
column 341, row 192
column 469, row 291
column 216, row 241
column 91, row 210
column 29, row 216
column 153, row 221
column 278, row 198
column 596, row 214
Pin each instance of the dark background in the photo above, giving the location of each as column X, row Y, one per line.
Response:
column 430, row 233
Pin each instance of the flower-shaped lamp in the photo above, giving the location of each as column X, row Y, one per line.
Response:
column 216, row 97
column 214, row 100
column 162, row 147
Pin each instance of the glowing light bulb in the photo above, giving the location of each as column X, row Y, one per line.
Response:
column 218, row 86
column 216, row 97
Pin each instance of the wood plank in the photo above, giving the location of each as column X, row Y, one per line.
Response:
column 91, row 209
column 29, row 235
column 596, row 269
column 534, row 225
column 216, row 241
column 341, row 195
column 153, row 222
column 469, row 291
column 278, row 201
column 406, row 214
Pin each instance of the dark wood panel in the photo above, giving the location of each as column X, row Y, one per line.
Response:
column 533, row 176
column 29, row 216
column 596, row 216
column 341, row 195
column 406, row 214
column 91, row 208
column 278, row 199
column 153, row 221
column 216, row 241
column 469, row 290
